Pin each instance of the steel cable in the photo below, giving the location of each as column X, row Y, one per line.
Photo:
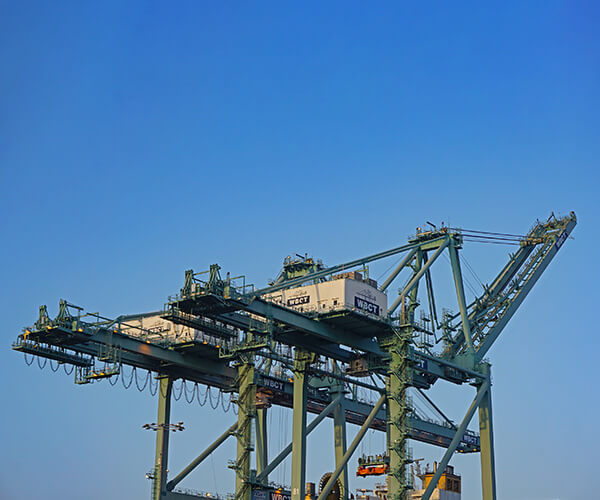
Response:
column 40, row 365
column 28, row 363
column 65, row 369
column 54, row 369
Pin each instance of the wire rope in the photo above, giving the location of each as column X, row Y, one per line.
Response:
column 41, row 367
column 472, row 271
column 487, row 232
column 52, row 367
column 28, row 363
column 65, row 369
column 491, row 242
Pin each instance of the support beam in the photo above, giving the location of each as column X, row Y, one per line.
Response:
column 355, row 442
column 409, row 256
column 486, row 432
column 159, row 486
column 343, row 267
column 398, row 381
column 200, row 458
column 415, row 279
column 301, row 364
column 262, row 448
column 246, row 412
column 481, row 392
column 460, row 294
column 288, row 449
column 339, row 440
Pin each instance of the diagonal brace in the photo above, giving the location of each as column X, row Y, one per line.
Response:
column 398, row 269
column 481, row 392
column 200, row 458
column 288, row 449
column 413, row 282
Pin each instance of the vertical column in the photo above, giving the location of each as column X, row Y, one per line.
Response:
column 301, row 364
column 399, row 380
column 261, row 442
column 339, row 436
column 159, row 487
column 246, row 412
column 460, row 294
column 486, row 433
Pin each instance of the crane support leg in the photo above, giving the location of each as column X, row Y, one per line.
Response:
column 246, row 412
column 262, row 458
column 460, row 432
column 339, row 437
column 486, row 431
column 399, row 379
column 301, row 364
column 159, row 487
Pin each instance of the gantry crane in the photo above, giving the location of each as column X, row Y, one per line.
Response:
column 277, row 346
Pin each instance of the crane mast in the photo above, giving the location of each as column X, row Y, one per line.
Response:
column 309, row 341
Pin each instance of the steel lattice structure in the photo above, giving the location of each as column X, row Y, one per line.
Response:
column 223, row 333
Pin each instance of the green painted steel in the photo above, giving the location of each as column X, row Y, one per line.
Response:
column 351, row 449
column 301, row 364
column 246, row 413
column 262, row 477
column 200, row 458
column 339, row 440
column 262, row 448
column 481, row 393
column 399, row 379
column 159, row 487
column 248, row 333
column 486, row 432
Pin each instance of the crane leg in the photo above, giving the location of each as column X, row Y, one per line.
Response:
column 159, row 487
column 486, row 432
column 339, row 431
column 246, row 413
column 302, row 362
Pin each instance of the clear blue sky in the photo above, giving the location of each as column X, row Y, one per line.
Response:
column 140, row 139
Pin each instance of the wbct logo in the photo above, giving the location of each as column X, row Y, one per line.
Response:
column 298, row 301
column 366, row 306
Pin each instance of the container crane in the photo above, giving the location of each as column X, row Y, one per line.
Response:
column 330, row 331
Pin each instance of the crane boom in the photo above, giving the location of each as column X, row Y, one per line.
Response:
column 489, row 314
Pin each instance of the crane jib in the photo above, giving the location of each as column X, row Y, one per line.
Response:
column 561, row 239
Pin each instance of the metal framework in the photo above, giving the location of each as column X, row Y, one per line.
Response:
column 268, row 354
